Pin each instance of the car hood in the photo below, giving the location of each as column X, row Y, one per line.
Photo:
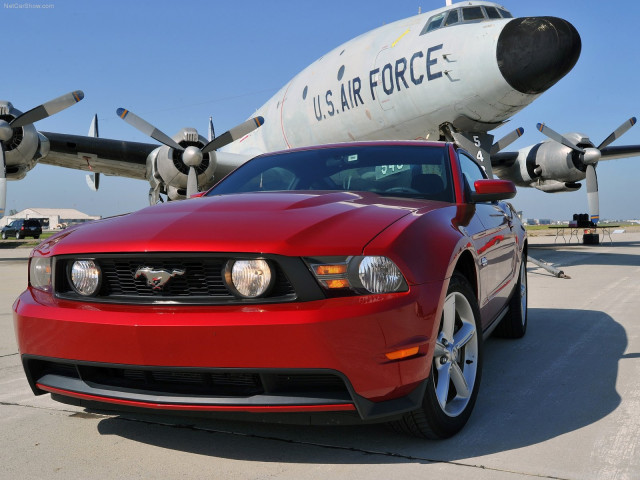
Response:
column 287, row 223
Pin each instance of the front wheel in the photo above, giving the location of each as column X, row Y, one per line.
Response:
column 4, row 235
column 456, row 368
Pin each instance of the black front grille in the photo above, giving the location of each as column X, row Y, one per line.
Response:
column 196, row 279
column 192, row 382
column 174, row 382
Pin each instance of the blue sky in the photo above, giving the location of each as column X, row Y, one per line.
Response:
column 177, row 63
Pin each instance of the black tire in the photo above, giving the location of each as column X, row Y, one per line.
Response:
column 36, row 236
column 514, row 323
column 444, row 417
column 18, row 237
column 4, row 235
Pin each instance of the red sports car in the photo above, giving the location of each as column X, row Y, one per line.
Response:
column 358, row 280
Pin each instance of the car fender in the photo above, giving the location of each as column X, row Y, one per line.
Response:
column 426, row 245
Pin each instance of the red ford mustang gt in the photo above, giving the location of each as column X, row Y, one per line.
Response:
column 356, row 279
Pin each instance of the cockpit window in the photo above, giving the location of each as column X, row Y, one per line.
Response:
column 433, row 23
column 472, row 13
column 492, row 12
column 469, row 14
column 452, row 18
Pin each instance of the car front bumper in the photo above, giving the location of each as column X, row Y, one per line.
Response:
column 326, row 355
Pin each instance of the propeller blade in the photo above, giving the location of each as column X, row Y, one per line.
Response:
column 93, row 181
column 621, row 130
column 234, row 134
column 3, row 181
column 553, row 135
column 154, row 195
column 212, row 132
column 505, row 141
column 47, row 109
column 93, row 128
column 192, row 182
column 148, row 129
column 592, row 194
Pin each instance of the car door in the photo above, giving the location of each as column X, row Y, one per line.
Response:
column 495, row 244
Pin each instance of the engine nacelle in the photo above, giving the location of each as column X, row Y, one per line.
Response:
column 23, row 149
column 551, row 186
column 548, row 166
column 166, row 169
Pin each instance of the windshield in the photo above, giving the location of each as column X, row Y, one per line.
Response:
column 393, row 170
column 469, row 14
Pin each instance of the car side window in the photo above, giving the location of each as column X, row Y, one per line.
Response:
column 471, row 171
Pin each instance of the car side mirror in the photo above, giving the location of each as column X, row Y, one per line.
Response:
column 492, row 190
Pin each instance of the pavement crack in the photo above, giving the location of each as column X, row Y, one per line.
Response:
column 71, row 413
column 9, row 355
column 364, row 451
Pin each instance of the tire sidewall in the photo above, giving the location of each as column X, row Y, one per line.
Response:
column 442, row 424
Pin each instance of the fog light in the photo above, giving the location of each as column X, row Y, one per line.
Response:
column 85, row 277
column 40, row 273
column 248, row 278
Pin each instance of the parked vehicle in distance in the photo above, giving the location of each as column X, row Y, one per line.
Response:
column 22, row 228
column 355, row 281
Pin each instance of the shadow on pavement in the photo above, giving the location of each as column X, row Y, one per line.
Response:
column 580, row 255
column 559, row 378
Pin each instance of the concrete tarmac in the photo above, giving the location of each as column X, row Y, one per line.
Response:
column 561, row 403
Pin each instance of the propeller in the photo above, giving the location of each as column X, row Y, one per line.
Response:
column 505, row 141
column 589, row 157
column 35, row 114
column 191, row 156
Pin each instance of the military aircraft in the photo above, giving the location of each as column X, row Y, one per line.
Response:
column 454, row 73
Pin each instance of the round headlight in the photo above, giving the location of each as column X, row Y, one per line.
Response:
column 85, row 277
column 248, row 278
column 380, row 275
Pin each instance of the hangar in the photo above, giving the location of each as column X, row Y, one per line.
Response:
column 51, row 218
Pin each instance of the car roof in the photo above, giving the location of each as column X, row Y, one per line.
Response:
column 371, row 143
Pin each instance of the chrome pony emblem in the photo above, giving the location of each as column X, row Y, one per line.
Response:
column 157, row 278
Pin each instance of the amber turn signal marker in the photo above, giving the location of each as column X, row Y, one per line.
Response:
column 331, row 269
column 340, row 283
column 404, row 353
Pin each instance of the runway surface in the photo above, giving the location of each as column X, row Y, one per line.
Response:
column 561, row 403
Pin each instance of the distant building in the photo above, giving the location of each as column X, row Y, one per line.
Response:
column 51, row 218
column 544, row 221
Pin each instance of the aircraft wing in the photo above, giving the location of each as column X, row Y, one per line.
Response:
column 98, row 155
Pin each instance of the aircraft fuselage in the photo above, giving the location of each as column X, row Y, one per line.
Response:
column 396, row 82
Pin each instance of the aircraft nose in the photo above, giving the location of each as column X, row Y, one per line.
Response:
column 533, row 53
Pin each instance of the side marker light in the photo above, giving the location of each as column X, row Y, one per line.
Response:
column 404, row 353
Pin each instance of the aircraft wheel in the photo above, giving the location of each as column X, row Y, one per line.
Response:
column 456, row 368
